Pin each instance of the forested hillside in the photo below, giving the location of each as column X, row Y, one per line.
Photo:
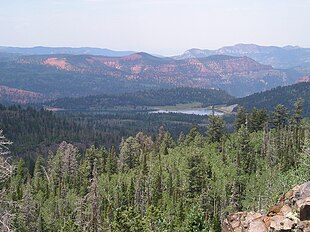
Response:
column 285, row 96
column 31, row 129
column 36, row 130
column 60, row 75
column 162, row 97
column 54, row 83
column 160, row 184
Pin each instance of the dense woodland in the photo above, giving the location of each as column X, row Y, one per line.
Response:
column 162, row 97
column 286, row 96
column 159, row 184
column 30, row 128
column 37, row 131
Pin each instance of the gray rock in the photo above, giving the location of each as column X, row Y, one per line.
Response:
column 292, row 214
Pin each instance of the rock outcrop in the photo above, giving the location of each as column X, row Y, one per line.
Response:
column 291, row 213
column 304, row 79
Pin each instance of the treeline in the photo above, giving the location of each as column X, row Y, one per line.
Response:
column 161, row 97
column 286, row 96
column 161, row 184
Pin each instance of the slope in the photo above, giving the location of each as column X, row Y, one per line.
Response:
column 281, row 95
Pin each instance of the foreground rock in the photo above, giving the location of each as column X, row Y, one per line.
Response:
column 292, row 213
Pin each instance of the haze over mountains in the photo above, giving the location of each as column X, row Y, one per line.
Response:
column 42, row 73
column 278, row 57
column 40, row 50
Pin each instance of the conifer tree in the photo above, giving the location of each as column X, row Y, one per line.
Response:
column 28, row 216
column 241, row 118
column 195, row 181
column 129, row 154
column 181, row 138
column 93, row 201
column 216, row 128
column 280, row 116
column 38, row 182
column 111, row 164
column 296, row 124
column 68, row 157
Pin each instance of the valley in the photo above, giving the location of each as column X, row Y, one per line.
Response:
column 154, row 116
column 155, row 138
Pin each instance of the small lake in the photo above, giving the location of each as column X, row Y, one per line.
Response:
column 195, row 112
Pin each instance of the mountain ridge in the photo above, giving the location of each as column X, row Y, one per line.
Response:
column 279, row 57
column 66, row 75
column 42, row 50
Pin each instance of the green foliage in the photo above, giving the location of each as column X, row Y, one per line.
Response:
column 196, row 220
column 35, row 130
column 280, row 116
column 162, row 97
column 159, row 185
column 286, row 96
column 216, row 128
column 241, row 118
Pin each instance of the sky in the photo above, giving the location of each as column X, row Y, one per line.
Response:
column 166, row 27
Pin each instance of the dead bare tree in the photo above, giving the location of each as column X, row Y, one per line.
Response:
column 6, row 169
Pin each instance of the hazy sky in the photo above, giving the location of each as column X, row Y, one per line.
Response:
column 158, row 26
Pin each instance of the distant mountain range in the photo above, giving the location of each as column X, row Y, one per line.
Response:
column 49, row 73
column 64, row 50
column 278, row 57
column 79, row 75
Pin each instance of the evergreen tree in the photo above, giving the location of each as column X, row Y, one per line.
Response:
column 195, row 181
column 129, row 154
column 93, row 201
column 297, row 114
column 27, row 216
column 195, row 220
column 39, row 174
column 257, row 120
column 241, row 118
column 216, row 128
column 111, row 164
column 280, row 116
column 181, row 138
column 69, row 164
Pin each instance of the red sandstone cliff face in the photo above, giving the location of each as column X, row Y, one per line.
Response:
column 60, row 63
column 19, row 96
column 304, row 79
column 141, row 66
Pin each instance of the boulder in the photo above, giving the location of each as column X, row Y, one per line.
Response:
column 291, row 213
